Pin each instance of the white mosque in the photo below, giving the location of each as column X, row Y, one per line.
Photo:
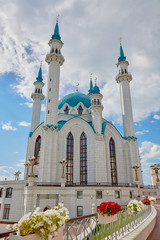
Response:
column 80, row 158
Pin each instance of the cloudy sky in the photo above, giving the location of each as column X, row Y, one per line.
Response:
column 91, row 32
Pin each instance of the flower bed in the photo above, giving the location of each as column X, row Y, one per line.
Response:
column 45, row 224
column 109, row 208
column 135, row 207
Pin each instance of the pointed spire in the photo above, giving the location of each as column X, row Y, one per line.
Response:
column 95, row 81
column 121, row 57
column 56, row 34
column 91, row 85
column 39, row 78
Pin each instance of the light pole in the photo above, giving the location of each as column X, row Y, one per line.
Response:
column 27, row 165
column 135, row 167
column 63, row 163
column 32, row 162
column 156, row 169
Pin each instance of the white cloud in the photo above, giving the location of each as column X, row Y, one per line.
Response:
column 142, row 132
column 157, row 117
column 20, row 164
column 24, row 124
column 149, row 151
column 8, row 127
column 5, row 169
column 91, row 47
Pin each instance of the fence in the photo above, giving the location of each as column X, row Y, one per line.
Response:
column 87, row 227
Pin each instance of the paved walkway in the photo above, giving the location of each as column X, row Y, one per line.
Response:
column 155, row 234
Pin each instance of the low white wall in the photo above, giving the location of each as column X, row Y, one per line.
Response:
column 144, row 230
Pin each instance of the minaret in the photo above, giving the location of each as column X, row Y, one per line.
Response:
column 96, row 106
column 54, row 60
column 37, row 97
column 124, row 78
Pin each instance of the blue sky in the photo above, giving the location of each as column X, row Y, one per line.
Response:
column 90, row 31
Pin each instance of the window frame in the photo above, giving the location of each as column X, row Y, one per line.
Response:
column 79, row 196
column 101, row 195
column 113, row 163
column 9, row 192
column 6, row 211
column 83, row 159
column 69, row 158
column 117, row 194
column 79, row 215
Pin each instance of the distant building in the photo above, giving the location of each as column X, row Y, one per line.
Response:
column 80, row 158
column 155, row 174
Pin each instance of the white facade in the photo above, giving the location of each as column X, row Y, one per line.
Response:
column 102, row 164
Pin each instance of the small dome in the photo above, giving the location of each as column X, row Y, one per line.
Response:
column 74, row 98
column 96, row 90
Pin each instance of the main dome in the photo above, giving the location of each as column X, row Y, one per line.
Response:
column 74, row 98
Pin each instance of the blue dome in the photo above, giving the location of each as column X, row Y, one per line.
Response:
column 74, row 98
column 96, row 90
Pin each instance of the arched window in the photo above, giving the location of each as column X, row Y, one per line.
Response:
column 9, row 192
column 94, row 101
column 69, row 157
column 37, row 147
column 38, row 90
column 98, row 102
column 83, row 159
column 80, row 110
column 56, row 50
column 113, row 161
column 66, row 110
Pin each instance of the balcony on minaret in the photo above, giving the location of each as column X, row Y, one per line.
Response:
column 123, row 74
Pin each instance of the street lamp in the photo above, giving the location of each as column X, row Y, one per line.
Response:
column 27, row 165
column 156, row 172
column 135, row 167
column 32, row 163
column 63, row 163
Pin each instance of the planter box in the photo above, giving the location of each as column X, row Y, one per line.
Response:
column 27, row 237
column 36, row 237
column 106, row 219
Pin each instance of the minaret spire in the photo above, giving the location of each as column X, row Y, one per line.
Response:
column 37, row 97
column 56, row 34
column 91, row 85
column 54, row 59
column 124, row 78
column 96, row 107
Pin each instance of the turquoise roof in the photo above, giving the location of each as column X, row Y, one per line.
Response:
column 56, row 34
column 91, row 87
column 39, row 78
column 96, row 90
column 74, row 98
column 122, row 57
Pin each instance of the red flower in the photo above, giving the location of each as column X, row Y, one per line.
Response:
column 146, row 201
column 109, row 208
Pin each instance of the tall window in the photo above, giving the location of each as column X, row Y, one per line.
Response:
column 113, row 161
column 6, row 211
column 83, row 159
column 69, row 167
column 8, row 192
column 37, row 147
